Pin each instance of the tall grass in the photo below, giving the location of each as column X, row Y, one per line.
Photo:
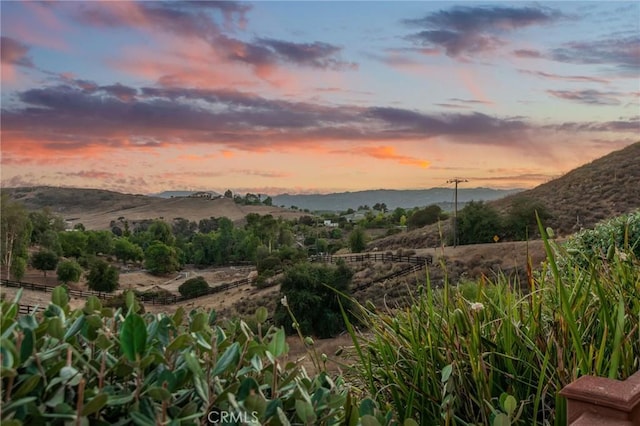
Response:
column 460, row 355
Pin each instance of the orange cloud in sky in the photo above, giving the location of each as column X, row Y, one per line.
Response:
column 389, row 153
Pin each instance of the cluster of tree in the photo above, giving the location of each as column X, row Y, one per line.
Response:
column 313, row 294
column 252, row 199
column 479, row 222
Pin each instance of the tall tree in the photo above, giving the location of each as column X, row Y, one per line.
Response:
column 357, row 240
column 44, row 260
column 478, row 223
column 99, row 242
column 160, row 258
column 102, row 276
column 73, row 243
column 15, row 234
column 68, row 271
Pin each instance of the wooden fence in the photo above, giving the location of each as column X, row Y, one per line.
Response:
column 153, row 299
column 416, row 263
column 374, row 257
column 49, row 289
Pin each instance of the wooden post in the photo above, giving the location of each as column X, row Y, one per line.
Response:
column 600, row 401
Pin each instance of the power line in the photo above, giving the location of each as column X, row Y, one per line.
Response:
column 456, row 181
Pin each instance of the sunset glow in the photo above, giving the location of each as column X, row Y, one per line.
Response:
column 299, row 97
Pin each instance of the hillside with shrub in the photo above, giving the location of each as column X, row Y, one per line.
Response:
column 603, row 189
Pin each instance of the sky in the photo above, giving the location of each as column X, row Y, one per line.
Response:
column 313, row 97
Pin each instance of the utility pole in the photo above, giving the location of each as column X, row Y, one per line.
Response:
column 456, row 181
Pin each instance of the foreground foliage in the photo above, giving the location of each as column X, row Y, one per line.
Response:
column 99, row 366
column 490, row 353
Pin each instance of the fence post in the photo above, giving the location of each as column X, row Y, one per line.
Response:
column 598, row 400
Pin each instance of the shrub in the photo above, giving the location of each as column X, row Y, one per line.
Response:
column 102, row 276
column 152, row 369
column 453, row 355
column 620, row 233
column 269, row 263
column 69, row 271
column 306, row 287
column 193, row 286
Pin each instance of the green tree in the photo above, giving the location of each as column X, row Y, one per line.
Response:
column 358, row 240
column 126, row 251
column 478, row 223
column 160, row 231
column 99, row 242
column 427, row 216
column 69, row 271
column 50, row 240
column 193, row 286
column 18, row 268
column 73, row 243
column 15, row 235
column 102, row 276
column 160, row 259
column 314, row 304
column 43, row 221
column 44, row 260
column 521, row 218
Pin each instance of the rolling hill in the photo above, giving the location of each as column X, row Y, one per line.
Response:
column 96, row 208
column 605, row 188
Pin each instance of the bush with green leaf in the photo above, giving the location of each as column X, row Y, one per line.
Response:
column 620, row 233
column 101, row 366
column 452, row 355
column 310, row 290
column 193, row 286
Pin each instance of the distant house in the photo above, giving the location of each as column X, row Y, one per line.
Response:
column 205, row 195
column 330, row 224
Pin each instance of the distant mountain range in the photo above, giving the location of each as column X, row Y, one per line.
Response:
column 341, row 201
column 444, row 197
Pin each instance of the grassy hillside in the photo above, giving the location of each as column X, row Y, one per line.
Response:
column 96, row 208
column 605, row 188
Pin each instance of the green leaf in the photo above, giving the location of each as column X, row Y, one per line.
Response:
column 410, row 422
column 16, row 403
column 256, row 363
column 305, row 412
column 28, row 322
column 141, row 420
column 367, row 407
column 178, row 316
column 278, row 344
column 249, row 384
column 501, row 420
column 446, row 373
column 55, row 328
column 92, row 305
column 510, row 404
column 75, row 328
column 202, row 389
column 229, row 357
column 120, row 399
column 261, row 314
column 59, row 297
column 133, row 336
column 198, row 322
column 95, row 405
column 26, row 348
column 369, row 420
column 159, row 394
column 26, row 386
column 180, row 342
